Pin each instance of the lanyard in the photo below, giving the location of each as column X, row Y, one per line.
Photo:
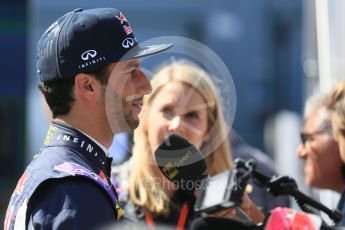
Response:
column 181, row 220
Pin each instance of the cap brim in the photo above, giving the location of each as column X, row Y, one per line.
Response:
column 148, row 50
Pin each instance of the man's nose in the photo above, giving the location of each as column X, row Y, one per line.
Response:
column 301, row 151
column 144, row 83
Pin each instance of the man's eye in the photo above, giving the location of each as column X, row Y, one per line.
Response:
column 135, row 70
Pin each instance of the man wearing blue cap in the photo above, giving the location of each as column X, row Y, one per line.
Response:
column 89, row 68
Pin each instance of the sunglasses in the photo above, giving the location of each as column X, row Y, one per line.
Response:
column 307, row 136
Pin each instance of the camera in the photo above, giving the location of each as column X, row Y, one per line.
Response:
column 219, row 192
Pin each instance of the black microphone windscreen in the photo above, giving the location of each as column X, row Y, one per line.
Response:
column 179, row 160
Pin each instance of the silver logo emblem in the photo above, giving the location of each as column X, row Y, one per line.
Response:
column 88, row 54
column 128, row 42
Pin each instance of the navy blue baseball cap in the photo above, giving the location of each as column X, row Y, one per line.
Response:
column 83, row 40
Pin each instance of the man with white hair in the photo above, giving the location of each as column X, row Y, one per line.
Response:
column 318, row 149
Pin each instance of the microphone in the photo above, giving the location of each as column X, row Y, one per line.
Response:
column 284, row 185
column 185, row 166
column 180, row 161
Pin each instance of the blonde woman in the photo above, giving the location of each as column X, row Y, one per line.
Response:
column 184, row 101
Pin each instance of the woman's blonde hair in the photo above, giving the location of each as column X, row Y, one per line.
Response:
column 143, row 190
column 336, row 104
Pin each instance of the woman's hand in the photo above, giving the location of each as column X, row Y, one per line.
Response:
column 226, row 213
column 248, row 207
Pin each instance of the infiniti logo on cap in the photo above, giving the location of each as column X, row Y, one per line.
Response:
column 88, row 54
column 128, row 42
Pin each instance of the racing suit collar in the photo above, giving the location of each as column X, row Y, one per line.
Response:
column 65, row 135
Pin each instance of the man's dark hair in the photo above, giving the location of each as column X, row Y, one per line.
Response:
column 59, row 94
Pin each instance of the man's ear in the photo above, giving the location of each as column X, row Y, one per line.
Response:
column 85, row 85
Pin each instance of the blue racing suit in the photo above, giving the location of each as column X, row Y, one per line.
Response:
column 66, row 186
